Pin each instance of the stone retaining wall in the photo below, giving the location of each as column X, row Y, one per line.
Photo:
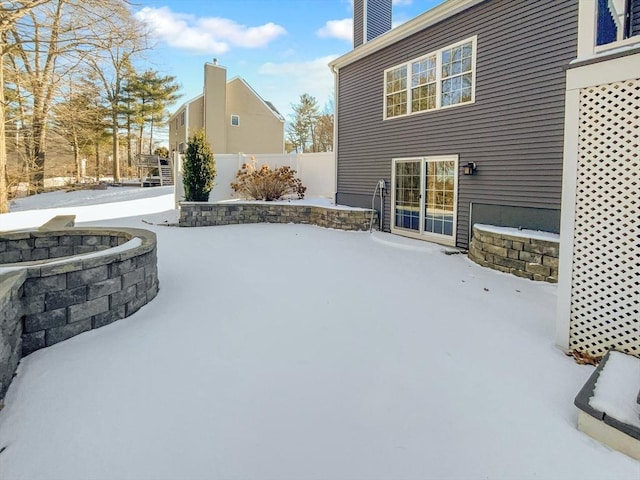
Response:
column 520, row 255
column 46, row 302
column 16, row 247
column 197, row 214
column 10, row 326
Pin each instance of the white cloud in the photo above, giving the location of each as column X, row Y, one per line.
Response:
column 340, row 29
column 399, row 21
column 283, row 83
column 206, row 34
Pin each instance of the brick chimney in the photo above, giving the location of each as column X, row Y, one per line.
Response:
column 371, row 18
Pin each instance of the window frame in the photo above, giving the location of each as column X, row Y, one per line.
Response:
column 434, row 82
column 438, row 54
column 404, row 90
column 623, row 33
column 182, row 117
column 237, row 117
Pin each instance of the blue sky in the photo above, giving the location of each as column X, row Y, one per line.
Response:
column 280, row 47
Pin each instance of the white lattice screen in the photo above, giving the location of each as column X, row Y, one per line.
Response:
column 605, row 290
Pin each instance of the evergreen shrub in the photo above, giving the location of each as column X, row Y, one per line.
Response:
column 199, row 169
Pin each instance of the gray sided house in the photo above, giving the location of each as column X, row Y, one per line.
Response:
column 471, row 86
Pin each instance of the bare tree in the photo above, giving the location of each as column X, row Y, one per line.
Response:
column 324, row 133
column 50, row 43
column 80, row 118
column 10, row 13
column 118, row 43
column 46, row 43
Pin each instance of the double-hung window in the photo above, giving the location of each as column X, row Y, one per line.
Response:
column 457, row 74
column 396, row 91
column 423, row 84
column 440, row 79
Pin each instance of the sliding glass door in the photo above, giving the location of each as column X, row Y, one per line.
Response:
column 425, row 197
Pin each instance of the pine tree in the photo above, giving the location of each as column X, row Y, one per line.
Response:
column 302, row 128
column 199, row 169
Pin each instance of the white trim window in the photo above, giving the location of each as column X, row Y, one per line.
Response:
column 235, row 120
column 423, row 84
column 617, row 22
column 396, row 91
column 440, row 79
column 182, row 117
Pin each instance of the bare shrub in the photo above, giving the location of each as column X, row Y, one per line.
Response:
column 267, row 184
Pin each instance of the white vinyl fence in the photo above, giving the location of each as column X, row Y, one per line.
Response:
column 316, row 170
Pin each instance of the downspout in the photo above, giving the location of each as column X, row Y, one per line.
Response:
column 336, row 74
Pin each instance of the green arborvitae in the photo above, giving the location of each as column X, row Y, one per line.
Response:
column 199, row 169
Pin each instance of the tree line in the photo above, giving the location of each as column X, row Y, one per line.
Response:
column 309, row 129
column 68, row 73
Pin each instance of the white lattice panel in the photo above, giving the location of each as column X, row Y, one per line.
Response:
column 605, row 290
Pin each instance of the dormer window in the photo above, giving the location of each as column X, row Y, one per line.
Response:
column 617, row 20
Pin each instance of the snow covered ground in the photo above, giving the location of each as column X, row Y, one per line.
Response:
column 296, row 352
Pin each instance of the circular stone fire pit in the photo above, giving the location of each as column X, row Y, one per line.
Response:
column 55, row 284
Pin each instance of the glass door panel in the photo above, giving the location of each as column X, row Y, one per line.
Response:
column 407, row 194
column 439, row 194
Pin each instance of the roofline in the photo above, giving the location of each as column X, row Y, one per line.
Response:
column 184, row 105
column 428, row 18
column 237, row 77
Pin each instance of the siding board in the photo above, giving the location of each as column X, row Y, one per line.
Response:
column 358, row 22
column 513, row 131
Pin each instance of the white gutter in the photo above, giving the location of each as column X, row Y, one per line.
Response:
column 431, row 17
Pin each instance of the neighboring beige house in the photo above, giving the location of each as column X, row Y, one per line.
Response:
column 235, row 118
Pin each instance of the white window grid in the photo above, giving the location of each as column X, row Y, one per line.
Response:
column 396, row 89
column 414, row 69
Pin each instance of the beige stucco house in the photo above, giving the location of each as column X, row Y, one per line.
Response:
column 235, row 118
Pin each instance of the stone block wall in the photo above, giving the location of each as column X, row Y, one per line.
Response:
column 16, row 247
column 10, row 326
column 521, row 255
column 196, row 214
column 46, row 302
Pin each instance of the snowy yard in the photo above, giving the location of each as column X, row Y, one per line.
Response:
column 296, row 352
